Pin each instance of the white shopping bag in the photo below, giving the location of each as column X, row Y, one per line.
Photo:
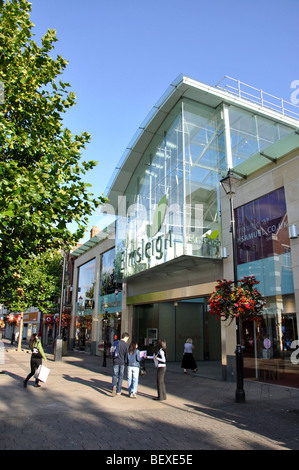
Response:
column 42, row 373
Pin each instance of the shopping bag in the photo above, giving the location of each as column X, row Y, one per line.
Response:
column 42, row 373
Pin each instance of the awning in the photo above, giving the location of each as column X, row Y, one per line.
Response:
column 98, row 238
column 272, row 153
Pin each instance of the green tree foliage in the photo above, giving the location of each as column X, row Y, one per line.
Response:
column 41, row 187
column 35, row 282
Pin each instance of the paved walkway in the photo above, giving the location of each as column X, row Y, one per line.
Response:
column 75, row 410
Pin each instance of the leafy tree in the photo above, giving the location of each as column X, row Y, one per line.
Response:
column 41, row 187
column 34, row 282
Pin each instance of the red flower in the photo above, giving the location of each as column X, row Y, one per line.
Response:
column 241, row 300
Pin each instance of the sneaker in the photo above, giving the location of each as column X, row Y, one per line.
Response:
column 118, row 393
column 133, row 395
column 113, row 391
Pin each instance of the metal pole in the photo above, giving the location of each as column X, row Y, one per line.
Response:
column 61, row 295
column 240, row 393
column 105, row 341
column 58, row 340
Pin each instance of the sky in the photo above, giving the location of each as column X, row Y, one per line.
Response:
column 123, row 55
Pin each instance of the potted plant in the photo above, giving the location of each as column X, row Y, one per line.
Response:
column 211, row 243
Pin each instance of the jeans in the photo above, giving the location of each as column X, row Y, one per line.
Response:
column 133, row 376
column 118, row 376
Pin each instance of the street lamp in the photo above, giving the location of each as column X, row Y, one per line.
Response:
column 230, row 184
column 58, row 339
column 105, row 321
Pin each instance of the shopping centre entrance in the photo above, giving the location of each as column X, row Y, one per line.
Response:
column 175, row 322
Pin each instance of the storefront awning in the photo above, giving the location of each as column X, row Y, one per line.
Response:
column 98, row 238
column 272, row 153
column 182, row 266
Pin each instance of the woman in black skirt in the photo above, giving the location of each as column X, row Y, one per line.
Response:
column 188, row 361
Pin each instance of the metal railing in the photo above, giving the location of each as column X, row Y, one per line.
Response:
column 248, row 92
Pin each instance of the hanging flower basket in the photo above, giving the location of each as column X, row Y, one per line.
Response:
column 241, row 300
column 13, row 320
column 65, row 320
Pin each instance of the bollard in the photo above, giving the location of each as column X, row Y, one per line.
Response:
column 58, row 349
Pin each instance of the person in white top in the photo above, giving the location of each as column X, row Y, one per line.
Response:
column 188, row 361
column 160, row 363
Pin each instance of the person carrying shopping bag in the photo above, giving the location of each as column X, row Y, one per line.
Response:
column 36, row 358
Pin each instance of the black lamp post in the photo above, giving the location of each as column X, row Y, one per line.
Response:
column 230, row 184
column 58, row 339
column 105, row 321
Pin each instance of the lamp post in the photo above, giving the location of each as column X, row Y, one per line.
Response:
column 58, row 339
column 105, row 321
column 230, row 184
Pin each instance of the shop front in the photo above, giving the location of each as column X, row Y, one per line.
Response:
column 50, row 328
column 173, row 230
column 110, row 303
column 175, row 322
column 264, row 249
column 270, row 351
column 84, row 306
column 31, row 324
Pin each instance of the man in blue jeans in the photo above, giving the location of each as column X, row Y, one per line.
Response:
column 119, row 365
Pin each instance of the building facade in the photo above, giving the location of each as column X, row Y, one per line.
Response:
column 156, row 266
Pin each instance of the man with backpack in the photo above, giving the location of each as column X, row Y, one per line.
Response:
column 119, row 354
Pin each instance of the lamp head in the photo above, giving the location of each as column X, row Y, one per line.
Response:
column 230, row 183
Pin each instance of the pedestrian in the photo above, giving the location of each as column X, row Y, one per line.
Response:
column 188, row 361
column 133, row 369
column 36, row 358
column 17, row 337
column 160, row 363
column 119, row 364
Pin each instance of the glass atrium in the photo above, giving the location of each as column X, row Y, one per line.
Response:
column 172, row 199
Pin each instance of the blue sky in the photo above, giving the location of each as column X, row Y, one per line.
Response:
column 123, row 55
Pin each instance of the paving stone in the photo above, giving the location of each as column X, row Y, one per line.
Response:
column 74, row 410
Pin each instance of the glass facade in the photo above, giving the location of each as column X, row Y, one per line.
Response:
column 110, row 300
column 263, row 250
column 171, row 208
column 251, row 134
column 263, row 245
column 85, row 304
column 172, row 202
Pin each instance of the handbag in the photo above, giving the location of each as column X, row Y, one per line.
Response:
column 42, row 373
